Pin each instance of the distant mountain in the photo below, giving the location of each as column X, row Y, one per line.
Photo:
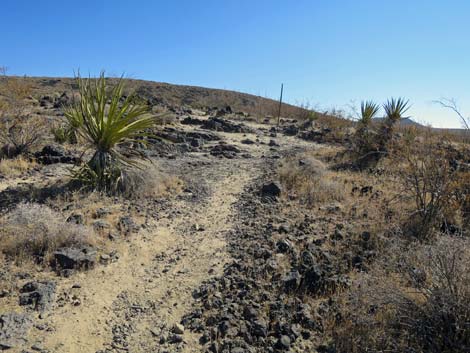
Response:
column 403, row 122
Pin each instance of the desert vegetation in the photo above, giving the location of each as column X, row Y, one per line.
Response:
column 183, row 209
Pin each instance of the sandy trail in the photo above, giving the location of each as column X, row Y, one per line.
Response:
column 130, row 304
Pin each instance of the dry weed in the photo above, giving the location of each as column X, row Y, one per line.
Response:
column 308, row 179
column 33, row 232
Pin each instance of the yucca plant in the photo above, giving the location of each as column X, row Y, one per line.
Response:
column 369, row 111
column 364, row 143
column 394, row 110
column 110, row 123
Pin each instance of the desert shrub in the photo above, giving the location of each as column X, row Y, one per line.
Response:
column 110, row 123
column 20, row 134
column 372, row 141
column 148, row 182
column 429, row 182
column 308, row 179
column 15, row 167
column 33, row 231
column 416, row 301
column 365, row 138
column 64, row 134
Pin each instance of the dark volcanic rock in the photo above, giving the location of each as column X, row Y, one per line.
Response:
column 52, row 154
column 292, row 281
column 75, row 258
column 223, row 150
column 291, row 130
column 271, row 189
column 218, row 124
column 38, row 295
column 13, row 329
column 192, row 121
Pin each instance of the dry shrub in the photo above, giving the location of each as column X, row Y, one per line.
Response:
column 308, row 179
column 20, row 134
column 33, row 231
column 148, row 182
column 15, row 167
column 416, row 301
column 429, row 182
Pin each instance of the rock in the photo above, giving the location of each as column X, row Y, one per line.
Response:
column 75, row 218
column 273, row 143
column 283, row 246
column 290, row 130
column 39, row 295
column 284, row 342
column 100, row 225
column 37, row 348
column 218, row 124
column 14, row 328
column 127, row 225
column 247, row 142
column 260, row 328
column 101, row 212
column 62, row 101
column 192, row 121
column 175, row 339
column 178, row 329
column 75, row 258
column 292, row 281
column 237, row 350
column 52, row 154
column 272, row 190
column 105, row 259
column 223, row 150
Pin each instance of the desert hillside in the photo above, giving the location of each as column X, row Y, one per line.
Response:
column 211, row 228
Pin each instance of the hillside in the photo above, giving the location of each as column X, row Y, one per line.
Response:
column 230, row 233
column 171, row 95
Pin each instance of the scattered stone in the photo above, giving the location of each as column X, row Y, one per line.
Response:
column 101, row 225
column 175, row 339
column 272, row 190
column 284, row 342
column 14, row 328
column 75, row 218
column 178, row 329
column 105, row 259
column 292, row 281
column 38, row 295
column 127, row 225
column 52, row 154
column 75, row 258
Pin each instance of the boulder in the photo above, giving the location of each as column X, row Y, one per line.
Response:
column 52, row 154
column 75, row 258
column 271, row 190
column 14, row 328
column 38, row 295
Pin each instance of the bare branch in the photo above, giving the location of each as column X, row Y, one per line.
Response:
column 452, row 105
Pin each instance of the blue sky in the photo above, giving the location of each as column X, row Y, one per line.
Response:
column 327, row 52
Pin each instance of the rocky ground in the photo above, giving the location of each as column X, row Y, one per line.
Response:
column 228, row 264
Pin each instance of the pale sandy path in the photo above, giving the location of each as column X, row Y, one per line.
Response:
column 151, row 285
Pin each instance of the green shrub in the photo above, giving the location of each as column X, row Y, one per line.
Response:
column 111, row 124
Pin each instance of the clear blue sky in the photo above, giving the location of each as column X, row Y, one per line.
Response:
column 328, row 52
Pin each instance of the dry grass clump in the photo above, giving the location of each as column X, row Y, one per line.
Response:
column 33, row 232
column 15, row 167
column 308, row 179
column 416, row 301
column 148, row 182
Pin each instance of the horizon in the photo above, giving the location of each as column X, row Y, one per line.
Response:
column 328, row 54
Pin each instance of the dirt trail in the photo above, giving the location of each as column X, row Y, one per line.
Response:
column 132, row 304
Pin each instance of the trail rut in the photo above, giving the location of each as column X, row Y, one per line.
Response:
column 132, row 304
